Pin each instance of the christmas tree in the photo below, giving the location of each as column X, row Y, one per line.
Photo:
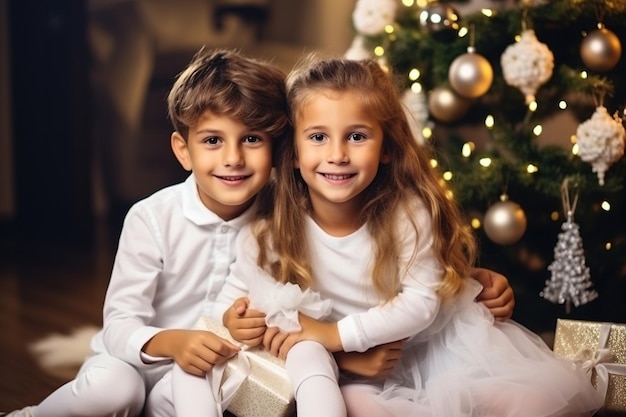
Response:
column 481, row 88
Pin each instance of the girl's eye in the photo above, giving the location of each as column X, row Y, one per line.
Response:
column 356, row 137
column 252, row 139
column 317, row 137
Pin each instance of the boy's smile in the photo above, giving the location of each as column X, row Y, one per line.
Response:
column 230, row 161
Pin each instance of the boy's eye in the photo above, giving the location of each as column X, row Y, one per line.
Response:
column 356, row 137
column 212, row 140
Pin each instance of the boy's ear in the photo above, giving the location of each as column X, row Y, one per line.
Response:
column 179, row 147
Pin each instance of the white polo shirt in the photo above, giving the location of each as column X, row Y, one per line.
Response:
column 172, row 260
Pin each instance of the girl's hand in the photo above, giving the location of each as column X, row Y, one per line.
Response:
column 497, row 295
column 195, row 351
column 245, row 324
column 377, row 362
column 322, row 332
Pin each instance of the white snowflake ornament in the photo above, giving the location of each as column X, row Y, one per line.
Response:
column 416, row 110
column 600, row 141
column 371, row 16
column 357, row 49
column 527, row 64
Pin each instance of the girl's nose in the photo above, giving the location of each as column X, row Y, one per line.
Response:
column 337, row 152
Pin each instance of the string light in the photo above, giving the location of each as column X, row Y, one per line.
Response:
column 427, row 132
column 475, row 223
column 562, row 104
column 434, row 163
column 485, row 162
column 447, row 175
column 463, row 32
column 608, row 246
column 414, row 74
column 379, row 51
column 606, row 206
column 537, row 130
column 389, row 29
column 489, row 121
column 487, row 12
column 408, row 3
column 554, row 216
column 468, row 148
column 416, row 88
column 531, row 169
column 532, row 106
column 583, row 75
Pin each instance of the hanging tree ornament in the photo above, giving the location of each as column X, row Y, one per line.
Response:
column 505, row 221
column 447, row 106
column 527, row 64
column 570, row 279
column 371, row 16
column 601, row 49
column 440, row 19
column 357, row 49
column 600, row 141
column 470, row 74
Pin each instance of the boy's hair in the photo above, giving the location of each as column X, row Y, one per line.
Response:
column 226, row 83
column 408, row 174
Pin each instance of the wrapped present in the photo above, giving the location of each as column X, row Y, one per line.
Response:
column 252, row 384
column 600, row 349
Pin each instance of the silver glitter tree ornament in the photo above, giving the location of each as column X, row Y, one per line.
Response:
column 570, row 281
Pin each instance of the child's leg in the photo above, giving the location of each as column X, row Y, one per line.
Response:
column 314, row 376
column 360, row 402
column 104, row 386
column 192, row 395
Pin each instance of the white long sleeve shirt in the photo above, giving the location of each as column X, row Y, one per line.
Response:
column 342, row 271
column 172, row 260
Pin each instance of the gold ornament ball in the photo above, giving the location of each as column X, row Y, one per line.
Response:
column 447, row 106
column 470, row 74
column 505, row 222
column 601, row 50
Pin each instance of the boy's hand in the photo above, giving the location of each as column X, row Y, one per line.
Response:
column 377, row 362
column 245, row 324
column 195, row 351
column 497, row 295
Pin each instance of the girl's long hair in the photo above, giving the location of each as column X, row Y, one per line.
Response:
column 397, row 183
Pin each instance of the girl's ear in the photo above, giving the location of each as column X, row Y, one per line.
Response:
column 181, row 151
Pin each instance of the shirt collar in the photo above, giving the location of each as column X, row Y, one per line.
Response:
column 198, row 213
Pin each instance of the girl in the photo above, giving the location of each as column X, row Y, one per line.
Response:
column 374, row 230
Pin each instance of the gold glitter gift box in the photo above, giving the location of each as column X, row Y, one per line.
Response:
column 262, row 387
column 600, row 348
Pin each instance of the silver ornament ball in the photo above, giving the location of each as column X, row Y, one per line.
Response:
column 470, row 74
column 505, row 222
column 601, row 50
column 447, row 106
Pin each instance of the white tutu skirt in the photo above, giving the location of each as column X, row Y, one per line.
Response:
column 465, row 365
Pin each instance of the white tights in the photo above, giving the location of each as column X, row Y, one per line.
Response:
column 314, row 376
column 104, row 386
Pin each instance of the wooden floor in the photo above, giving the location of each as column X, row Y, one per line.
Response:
column 45, row 288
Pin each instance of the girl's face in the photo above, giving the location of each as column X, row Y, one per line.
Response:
column 230, row 161
column 338, row 148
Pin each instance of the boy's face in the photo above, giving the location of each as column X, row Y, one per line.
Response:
column 230, row 161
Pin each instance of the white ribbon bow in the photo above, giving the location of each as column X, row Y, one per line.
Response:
column 600, row 360
column 223, row 393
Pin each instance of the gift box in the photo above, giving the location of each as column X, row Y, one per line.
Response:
column 257, row 382
column 600, row 349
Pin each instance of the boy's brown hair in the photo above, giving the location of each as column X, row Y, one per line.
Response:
column 227, row 83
